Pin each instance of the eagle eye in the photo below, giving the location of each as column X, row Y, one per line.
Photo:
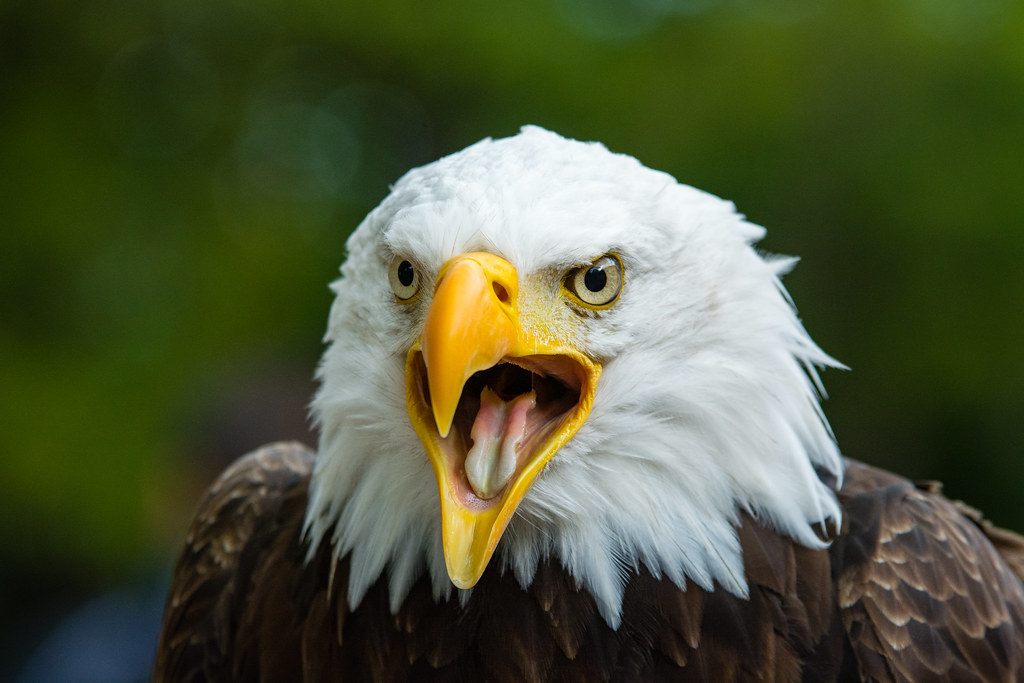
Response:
column 596, row 285
column 404, row 278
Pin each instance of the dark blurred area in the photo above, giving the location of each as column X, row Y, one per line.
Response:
column 177, row 181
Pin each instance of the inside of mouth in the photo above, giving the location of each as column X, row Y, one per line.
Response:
column 555, row 381
column 555, row 398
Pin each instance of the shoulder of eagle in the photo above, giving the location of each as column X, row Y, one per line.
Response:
column 570, row 430
column 914, row 587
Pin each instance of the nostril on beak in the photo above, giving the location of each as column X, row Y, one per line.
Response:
column 500, row 292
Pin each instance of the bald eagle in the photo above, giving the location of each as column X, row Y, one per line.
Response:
column 570, row 431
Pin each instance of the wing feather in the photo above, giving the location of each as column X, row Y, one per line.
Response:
column 209, row 619
column 924, row 591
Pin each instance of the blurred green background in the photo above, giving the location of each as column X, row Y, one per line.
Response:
column 177, row 181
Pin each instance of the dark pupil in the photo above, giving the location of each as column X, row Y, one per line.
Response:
column 595, row 279
column 405, row 273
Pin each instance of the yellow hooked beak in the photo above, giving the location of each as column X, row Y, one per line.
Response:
column 491, row 401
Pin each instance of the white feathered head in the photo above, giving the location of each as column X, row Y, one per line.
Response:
column 543, row 349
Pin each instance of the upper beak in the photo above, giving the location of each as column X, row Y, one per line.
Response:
column 488, row 442
column 472, row 324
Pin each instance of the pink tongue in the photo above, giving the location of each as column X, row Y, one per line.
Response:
column 498, row 429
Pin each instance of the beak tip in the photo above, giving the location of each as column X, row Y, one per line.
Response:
column 443, row 425
column 461, row 583
column 467, row 577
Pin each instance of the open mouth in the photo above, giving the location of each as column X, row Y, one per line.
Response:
column 492, row 402
column 505, row 417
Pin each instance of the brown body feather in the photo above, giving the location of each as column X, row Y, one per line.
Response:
column 914, row 588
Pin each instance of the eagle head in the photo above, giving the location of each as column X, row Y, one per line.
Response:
column 541, row 349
